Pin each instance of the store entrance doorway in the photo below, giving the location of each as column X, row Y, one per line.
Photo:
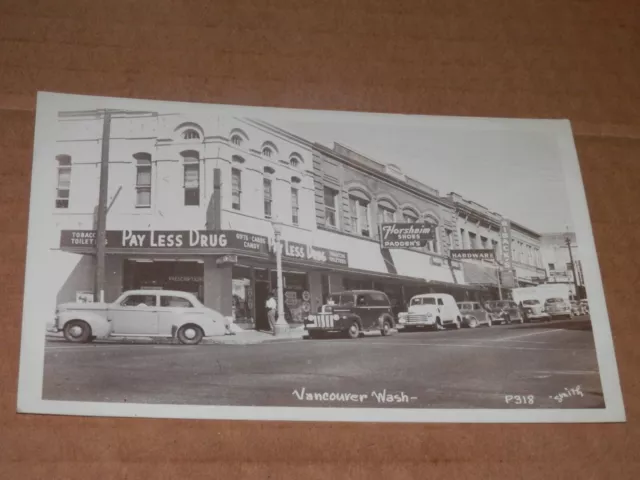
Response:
column 262, row 294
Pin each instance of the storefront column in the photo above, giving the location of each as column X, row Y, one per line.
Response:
column 218, row 292
column 114, row 277
column 315, row 289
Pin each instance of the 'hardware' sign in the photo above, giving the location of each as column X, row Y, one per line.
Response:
column 479, row 254
column 406, row 235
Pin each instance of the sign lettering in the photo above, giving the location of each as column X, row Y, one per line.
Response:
column 406, row 235
column 505, row 243
column 479, row 254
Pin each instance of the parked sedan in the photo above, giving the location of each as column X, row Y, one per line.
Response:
column 534, row 310
column 558, row 307
column 505, row 311
column 139, row 313
column 474, row 314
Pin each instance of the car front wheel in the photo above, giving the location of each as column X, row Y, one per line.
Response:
column 77, row 331
column 354, row 330
column 386, row 328
column 190, row 334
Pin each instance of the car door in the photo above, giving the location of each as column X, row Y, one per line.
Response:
column 136, row 314
column 479, row 312
column 170, row 309
column 364, row 309
column 443, row 312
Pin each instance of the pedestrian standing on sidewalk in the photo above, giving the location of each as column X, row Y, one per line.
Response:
column 272, row 310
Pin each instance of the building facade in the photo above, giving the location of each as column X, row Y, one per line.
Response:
column 478, row 228
column 557, row 260
column 192, row 203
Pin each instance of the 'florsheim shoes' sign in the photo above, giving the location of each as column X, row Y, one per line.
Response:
column 406, row 235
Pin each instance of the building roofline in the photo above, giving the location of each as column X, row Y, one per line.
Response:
column 380, row 175
column 277, row 130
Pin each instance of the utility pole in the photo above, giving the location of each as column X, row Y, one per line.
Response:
column 567, row 241
column 101, row 233
column 103, row 206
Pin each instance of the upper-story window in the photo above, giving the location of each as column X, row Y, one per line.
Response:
column 143, row 180
column 268, row 150
column 473, row 240
column 359, row 212
column 295, row 160
column 295, row 207
column 386, row 213
column 64, row 181
column 409, row 216
column 236, row 188
column 237, row 140
column 433, row 245
column 191, row 165
column 330, row 207
column 268, row 197
column 190, row 134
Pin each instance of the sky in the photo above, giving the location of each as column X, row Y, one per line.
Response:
column 517, row 173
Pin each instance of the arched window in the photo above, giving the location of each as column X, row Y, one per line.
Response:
column 190, row 134
column 359, row 213
column 268, row 149
column 237, row 140
column 409, row 215
column 269, row 170
column 237, row 159
column 191, row 166
column 295, row 160
column 386, row 212
column 143, row 179
column 64, row 181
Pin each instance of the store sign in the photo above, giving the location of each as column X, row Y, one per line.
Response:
column 300, row 251
column 505, row 243
column 227, row 260
column 167, row 239
column 477, row 254
column 406, row 235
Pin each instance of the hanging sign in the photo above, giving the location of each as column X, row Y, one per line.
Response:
column 406, row 235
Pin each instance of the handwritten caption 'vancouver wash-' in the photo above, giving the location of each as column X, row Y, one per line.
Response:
column 382, row 396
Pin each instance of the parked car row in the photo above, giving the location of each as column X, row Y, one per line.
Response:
column 352, row 313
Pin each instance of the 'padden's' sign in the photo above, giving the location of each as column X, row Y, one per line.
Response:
column 478, row 254
column 406, row 235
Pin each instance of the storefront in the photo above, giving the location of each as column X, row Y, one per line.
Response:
column 221, row 268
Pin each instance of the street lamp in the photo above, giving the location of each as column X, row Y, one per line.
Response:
column 281, row 325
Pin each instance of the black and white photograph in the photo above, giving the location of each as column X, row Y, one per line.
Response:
column 226, row 262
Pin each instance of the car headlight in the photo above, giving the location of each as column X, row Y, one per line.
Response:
column 336, row 317
column 429, row 314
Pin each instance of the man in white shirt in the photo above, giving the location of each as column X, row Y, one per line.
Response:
column 272, row 310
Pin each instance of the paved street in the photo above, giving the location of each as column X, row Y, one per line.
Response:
column 518, row 366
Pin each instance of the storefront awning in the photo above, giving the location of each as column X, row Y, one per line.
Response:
column 427, row 267
column 479, row 274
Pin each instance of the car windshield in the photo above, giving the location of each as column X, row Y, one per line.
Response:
column 501, row 304
column 555, row 300
column 531, row 302
column 465, row 306
column 423, row 301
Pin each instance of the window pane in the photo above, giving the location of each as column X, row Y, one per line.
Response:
column 267, row 208
column 63, row 193
column 138, row 300
column 191, row 176
column 329, row 197
column 192, row 196
column 177, row 302
column 62, row 203
column 143, row 197
column 143, row 177
column 64, row 177
column 330, row 218
column 266, row 183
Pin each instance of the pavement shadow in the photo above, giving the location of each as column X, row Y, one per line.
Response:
column 581, row 324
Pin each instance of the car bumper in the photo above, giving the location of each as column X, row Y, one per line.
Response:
column 538, row 315
column 419, row 321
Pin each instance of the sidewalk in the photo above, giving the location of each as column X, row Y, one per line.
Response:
column 242, row 337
